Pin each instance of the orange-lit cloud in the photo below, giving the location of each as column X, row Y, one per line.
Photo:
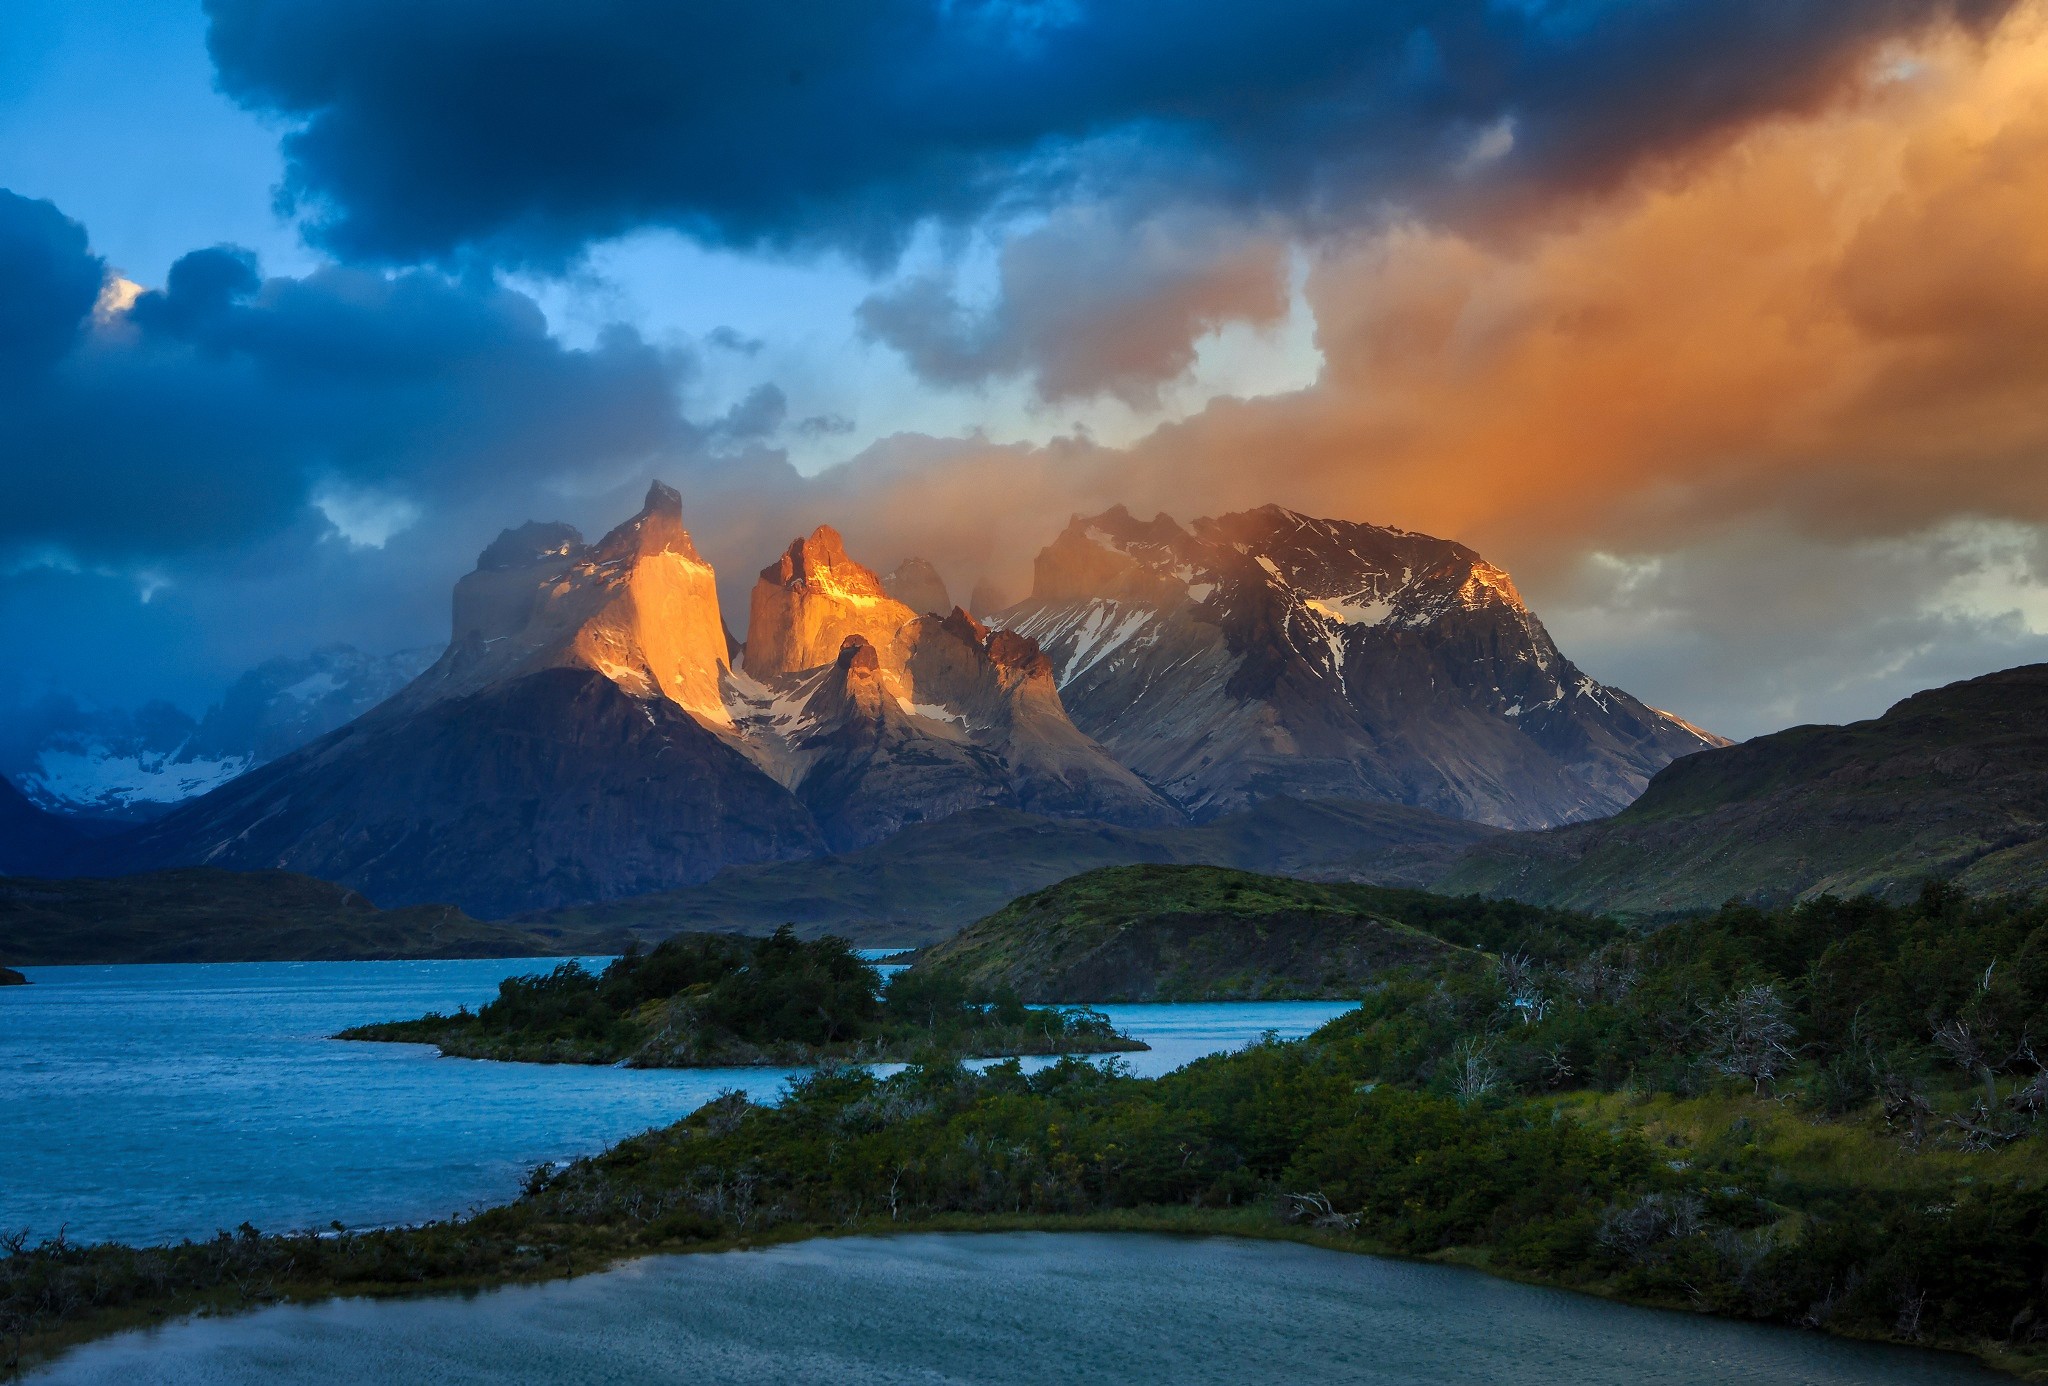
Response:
column 1828, row 330
column 1841, row 318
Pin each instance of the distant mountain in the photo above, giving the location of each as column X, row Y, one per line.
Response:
column 115, row 765
column 204, row 915
column 917, row 584
column 282, row 704
column 1949, row 783
column 932, row 879
column 1269, row 653
column 30, row 840
column 588, row 735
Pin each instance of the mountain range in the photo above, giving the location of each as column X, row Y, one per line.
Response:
column 595, row 731
column 102, row 767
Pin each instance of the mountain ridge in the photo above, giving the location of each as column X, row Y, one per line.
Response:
column 1267, row 652
column 594, row 731
column 587, row 735
column 1951, row 782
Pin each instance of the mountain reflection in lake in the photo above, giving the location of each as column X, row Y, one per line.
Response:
column 997, row 1309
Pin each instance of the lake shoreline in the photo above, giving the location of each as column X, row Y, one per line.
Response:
column 453, row 1043
column 31, row 1351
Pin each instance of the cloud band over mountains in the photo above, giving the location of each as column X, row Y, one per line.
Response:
column 1613, row 292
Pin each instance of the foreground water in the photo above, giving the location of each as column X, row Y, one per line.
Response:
column 150, row 1102
column 1022, row 1308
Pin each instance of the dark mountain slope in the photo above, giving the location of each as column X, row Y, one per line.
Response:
column 555, row 787
column 1951, row 783
column 933, row 879
column 30, row 840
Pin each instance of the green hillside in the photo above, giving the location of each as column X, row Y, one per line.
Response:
column 1950, row 784
column 1188, row 933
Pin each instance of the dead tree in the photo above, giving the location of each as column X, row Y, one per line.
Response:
column 1752, row 1034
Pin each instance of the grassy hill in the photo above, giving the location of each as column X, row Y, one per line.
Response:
column 1951, row 783
column 929, row 881
column 1200, row 933
column 201, row 914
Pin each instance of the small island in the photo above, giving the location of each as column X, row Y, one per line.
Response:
column 10, row 978
column 718, row 1001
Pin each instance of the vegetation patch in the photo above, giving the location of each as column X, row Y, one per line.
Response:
column 203, row 914
column 1826, row 1116
column 715, row 1001
column 1204, row 933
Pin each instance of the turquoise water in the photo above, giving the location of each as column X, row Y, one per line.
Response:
column 149, row 1102
column 1002, row 1309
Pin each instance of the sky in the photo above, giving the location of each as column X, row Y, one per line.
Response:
column 1722, row 324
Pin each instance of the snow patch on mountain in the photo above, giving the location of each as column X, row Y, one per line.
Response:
column 93, row 778
column 116, row 763
column 1359, row 609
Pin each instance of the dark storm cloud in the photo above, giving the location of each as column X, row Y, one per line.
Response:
column 215, row 411
column 522, row 129
column 48, row 282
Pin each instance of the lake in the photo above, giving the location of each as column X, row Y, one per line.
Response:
column 154, row 1102
column 997, row 1309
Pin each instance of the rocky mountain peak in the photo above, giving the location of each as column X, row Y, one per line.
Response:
column 856, row 655
column 810, row 600
column 961, row 623
column 1018, row 653
column 658, row 528
column 1110, row 555
column 917, row 584
column 1267, row 651
column 640, row 607
column 819, row 560
column 529, row 544
column 663, row 499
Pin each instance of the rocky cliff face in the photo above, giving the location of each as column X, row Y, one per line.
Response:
column 809, row 602
column 878, row 717
column 639, row 607
column 917, row 584
column 1270, row 653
